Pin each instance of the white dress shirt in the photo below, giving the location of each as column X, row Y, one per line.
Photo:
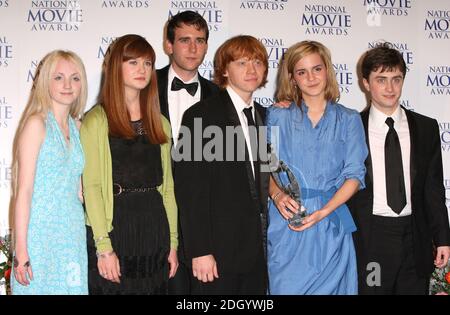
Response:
column 239, row 105
column 179, row 101
column 378, row 130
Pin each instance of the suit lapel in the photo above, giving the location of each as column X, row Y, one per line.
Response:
column 232, row 119
column 414, row 149
column 258, row 119
column 204, row 90
column 262, row 156
column 163, row 77
column 365, row 120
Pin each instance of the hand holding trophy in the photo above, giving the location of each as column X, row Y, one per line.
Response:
column 280, row 172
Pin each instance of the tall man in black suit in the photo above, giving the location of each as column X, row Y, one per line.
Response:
column 180, row 86
column 220, row 181
column 401, row 214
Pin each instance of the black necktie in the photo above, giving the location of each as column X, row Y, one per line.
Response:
column 177, row 84
column 395, row 182
column 253, row 135
column 248, row 112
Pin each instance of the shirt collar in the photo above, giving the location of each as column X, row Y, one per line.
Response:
column 173, row 74
column 328, row 109
column 238, row 102
column 378, row 118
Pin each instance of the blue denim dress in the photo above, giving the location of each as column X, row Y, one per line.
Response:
column 321, row 259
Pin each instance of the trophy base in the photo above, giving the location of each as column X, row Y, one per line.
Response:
column 297, row 219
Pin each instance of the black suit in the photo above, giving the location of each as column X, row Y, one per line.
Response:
column 429, row 220
column 223, row 211
column 180, row 284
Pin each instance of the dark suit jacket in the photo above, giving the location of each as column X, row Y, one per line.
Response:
column 221, row 212
column 429, row 214
column 207, row 89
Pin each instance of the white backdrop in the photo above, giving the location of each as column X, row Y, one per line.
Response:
column 420, row 29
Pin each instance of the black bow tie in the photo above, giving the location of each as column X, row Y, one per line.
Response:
column 177, row 84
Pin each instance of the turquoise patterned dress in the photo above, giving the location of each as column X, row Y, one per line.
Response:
column 56, row 236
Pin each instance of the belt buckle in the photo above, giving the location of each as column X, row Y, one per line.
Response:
column 120, row 189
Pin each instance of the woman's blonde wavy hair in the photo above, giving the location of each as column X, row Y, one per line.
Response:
column 287, row 89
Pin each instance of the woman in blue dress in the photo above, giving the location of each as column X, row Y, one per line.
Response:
column 323, row 143
column 49, row 224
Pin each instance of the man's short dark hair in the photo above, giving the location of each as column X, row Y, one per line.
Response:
column 382, row 56
column 190, row 18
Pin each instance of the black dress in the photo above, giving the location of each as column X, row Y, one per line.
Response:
column 140, row 235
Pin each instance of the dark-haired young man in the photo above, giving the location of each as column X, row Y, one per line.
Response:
column 401, row 214
column 180, row 86
column 179, row 83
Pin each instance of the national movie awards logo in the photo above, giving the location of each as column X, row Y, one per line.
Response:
column 129, row 4
column 326, row 20
column 105, row 42
column 266, row 5
column 378, row 8
column 6, row 52
column 5, row 173
column 32, row 70
column 437, row 24
column 56, row 16
column 402, row 47
column 206, row 69
column 6, row 113
column 4, row 3
column 275, row 50
column 344, row 77
column 444, row 128
column 438, row 80
column 209, row 10
column 264, row 100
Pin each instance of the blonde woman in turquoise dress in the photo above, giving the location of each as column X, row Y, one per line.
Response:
column 49, row 224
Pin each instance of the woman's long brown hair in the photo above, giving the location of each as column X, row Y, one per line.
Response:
column 112, row 95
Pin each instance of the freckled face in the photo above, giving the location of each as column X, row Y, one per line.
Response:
column 245, row 75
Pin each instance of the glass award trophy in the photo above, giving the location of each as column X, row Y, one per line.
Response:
column 287, row 182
